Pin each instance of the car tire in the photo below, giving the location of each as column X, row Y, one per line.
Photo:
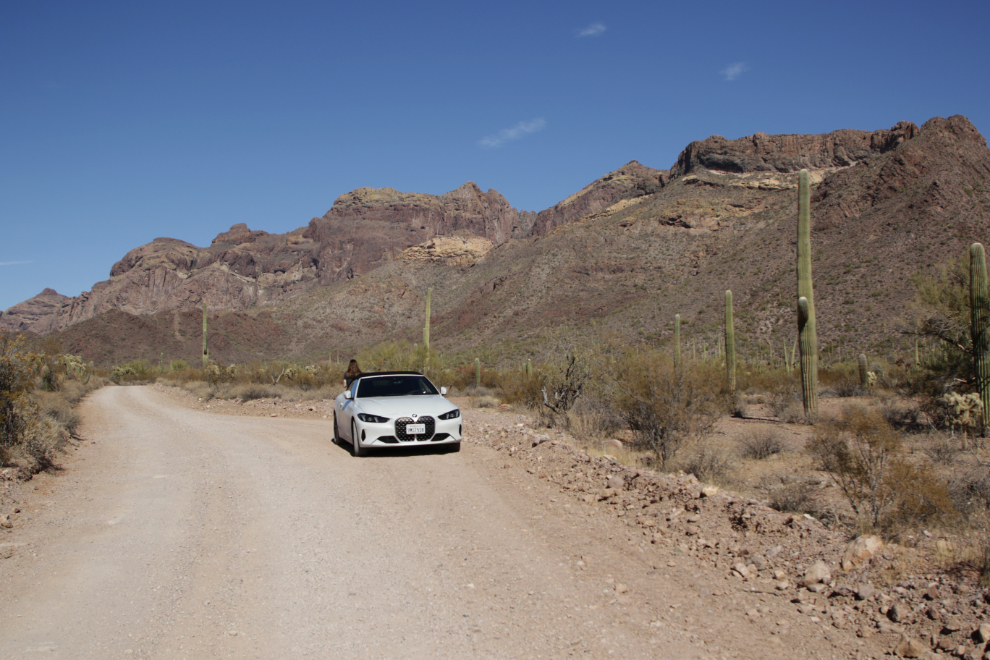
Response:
column 356, row 449
column 336, row 433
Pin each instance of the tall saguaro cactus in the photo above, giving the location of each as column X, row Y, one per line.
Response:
column 426, row 328
column 477, row 372
column 864, row 371
column 979, row 304
column 730, row 343
column 206, row 351
column 677, row 340
column 806, row 301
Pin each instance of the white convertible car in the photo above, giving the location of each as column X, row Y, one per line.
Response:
column 395, row 409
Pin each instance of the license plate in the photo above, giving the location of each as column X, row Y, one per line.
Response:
column 416, row 429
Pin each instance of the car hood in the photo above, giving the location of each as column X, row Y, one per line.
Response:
column 397, row 406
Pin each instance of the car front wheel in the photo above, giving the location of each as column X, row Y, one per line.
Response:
column 336, row 432
column 356, row 449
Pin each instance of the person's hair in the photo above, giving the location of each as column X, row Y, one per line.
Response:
column 353, row 369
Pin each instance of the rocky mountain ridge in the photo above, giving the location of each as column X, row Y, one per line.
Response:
column 623, row 251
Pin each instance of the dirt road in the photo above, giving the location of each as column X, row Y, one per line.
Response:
column 174, row 533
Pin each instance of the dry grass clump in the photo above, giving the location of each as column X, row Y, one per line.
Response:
column 762, row 443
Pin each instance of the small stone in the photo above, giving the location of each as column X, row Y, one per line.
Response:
column 897, row 612
column 621, row 588
column 946, row 644
column 982, row 634
column 616, row 482
column 691, row 530
column 817, row 588
column 709, row 491
column 5, row 521
column 950, row 625
column 861, row 549
column 783, row 585
column 816, row 573
column 865, row 591
column 865, row 632
column 932, row 593
column 779, row 574
column 909, row 647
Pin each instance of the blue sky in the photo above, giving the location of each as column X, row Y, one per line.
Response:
column 124, row 121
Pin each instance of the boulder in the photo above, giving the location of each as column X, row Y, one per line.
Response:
column 816, row 573
column 860, row 550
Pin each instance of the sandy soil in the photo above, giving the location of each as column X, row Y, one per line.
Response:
column 179, row 532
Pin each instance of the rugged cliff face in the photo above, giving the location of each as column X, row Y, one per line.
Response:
column 789, row 153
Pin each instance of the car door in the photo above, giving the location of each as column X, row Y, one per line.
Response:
column 346, row 413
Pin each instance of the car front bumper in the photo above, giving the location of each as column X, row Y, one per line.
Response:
column 390, row 434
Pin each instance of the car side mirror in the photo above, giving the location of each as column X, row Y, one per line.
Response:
column 443, row 391
column 347, row 394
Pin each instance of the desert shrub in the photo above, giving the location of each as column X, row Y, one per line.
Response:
column 484, row 402
column 708, row 462
column 252, row 391
column 56, row 408
column 761, row 444
column 856, row 451
column 941, row 450
column 863, row 456
column 521, row 388
column 15, row 382
column 789, row 494
column 593, row 417
column 666, row 405
column 135, row 372
column 970, row 491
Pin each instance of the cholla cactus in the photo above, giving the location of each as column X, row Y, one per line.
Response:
column 966, row 408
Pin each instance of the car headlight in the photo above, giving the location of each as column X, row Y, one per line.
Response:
column 453, row 414
column 372, row 419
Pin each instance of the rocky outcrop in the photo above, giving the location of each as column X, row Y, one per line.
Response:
column 629, row 181
column 36, row 314
column 369, row 227
column 789, row 153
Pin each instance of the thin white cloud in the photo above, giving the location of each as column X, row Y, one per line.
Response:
column 14, row 263
column 592, row 30
column 733, row 71
column 509, row 134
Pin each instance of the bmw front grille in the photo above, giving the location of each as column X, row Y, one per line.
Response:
column 403, row 422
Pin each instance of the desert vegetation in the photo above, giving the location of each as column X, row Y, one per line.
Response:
column 39, row 387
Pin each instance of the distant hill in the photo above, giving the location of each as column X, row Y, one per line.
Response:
column 621, row 257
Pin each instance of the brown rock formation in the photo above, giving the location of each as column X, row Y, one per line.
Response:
column 369, row 227
column 789, row 153
column 36, row 314
column 629, row 181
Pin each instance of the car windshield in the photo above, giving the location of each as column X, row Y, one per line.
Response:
column 394, row 386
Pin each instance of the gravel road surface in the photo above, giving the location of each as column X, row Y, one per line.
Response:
column 177, row 533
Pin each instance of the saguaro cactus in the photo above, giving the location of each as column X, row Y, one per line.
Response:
column 477, row 372
column 730, row 343
column 806, row 301
column 979, row 304
column 206, row 351
column 864, row 370
column 426, row 328
column 677, row 340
